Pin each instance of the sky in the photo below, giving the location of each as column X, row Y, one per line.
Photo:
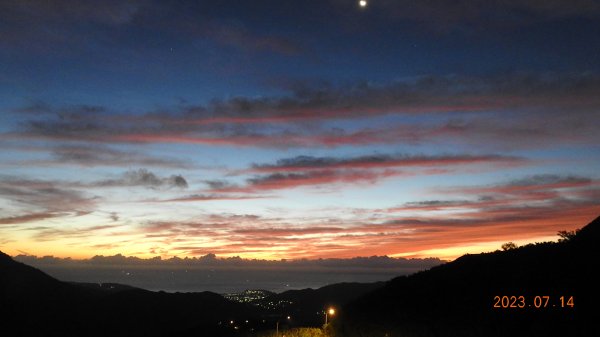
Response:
column 296, row 129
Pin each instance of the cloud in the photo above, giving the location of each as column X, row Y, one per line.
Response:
column 426, row 94
column 413, row 228
column 535, row 205
column 209, row 197
column 524, row 195
column 42, row 200
column 305, row 163
column 550, row 181
column 98, row 155
column 114, row 216
column 52, row 234
column 45, row 199
column 211, row 260
column 215, row 273
column 314, row 171
column 313, row 178
column 218, row 184
column 533, row 108
column 533, row 185
column 29, row 217
column 526, row 208
column 43, row 194
column 144, row 178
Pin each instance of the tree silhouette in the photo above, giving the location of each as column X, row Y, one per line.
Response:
column 567, row 235
column 509, row 245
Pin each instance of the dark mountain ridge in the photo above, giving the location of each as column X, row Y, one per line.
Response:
column 458, row 298
column 35, row 304
column 307, row 306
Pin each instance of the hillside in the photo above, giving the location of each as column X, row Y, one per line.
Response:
column 307, row 306
column 35, row 304
column 458, row 298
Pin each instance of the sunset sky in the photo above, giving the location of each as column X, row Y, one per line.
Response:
column 296, row 129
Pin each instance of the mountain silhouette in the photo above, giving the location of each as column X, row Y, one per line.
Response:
column 35, row 304
column 306, row 306
column 458, row 298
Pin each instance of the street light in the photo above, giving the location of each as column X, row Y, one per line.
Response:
column 331, row 312
column 277, row 326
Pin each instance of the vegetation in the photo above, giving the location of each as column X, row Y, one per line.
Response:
column 509, row 246
column 567, row 235
column 296, row 332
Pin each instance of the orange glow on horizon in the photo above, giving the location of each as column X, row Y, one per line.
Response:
column 444, row 253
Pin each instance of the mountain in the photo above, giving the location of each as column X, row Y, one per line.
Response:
column 306, row 306
column 458, row 298
column 35, row 304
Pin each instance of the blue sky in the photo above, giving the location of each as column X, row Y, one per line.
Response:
column 270, row 129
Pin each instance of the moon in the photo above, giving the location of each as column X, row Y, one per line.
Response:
column 362, row 3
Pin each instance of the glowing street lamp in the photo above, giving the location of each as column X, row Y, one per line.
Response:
column 277, row 326
column 329, row 312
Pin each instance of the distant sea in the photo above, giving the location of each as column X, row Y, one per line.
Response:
column 219, row 280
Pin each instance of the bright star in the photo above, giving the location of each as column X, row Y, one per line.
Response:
column 362, row 3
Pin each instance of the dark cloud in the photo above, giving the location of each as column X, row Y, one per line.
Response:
column 98, row 155
column 552, row 180
column 280, row 180
column 144, row 178
column 45, row 199
column 313, row 171
column 52, row 199
column 114, row 216
column 211, row 197
column 178, row 181
column 382, row 161
column 48, row 195
column 538, row 103
column 218, row 184
column 29, row 217
column 419, row 95
column 536, row 186
column 52, row 234
column 526, row 199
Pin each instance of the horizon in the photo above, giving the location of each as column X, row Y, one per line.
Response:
column 280, row 130
column 225, row 275
column 233, row 275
